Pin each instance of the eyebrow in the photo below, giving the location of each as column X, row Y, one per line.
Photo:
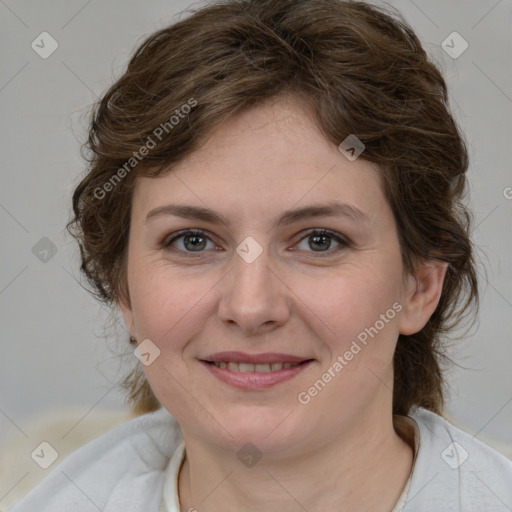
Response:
column 331, row 209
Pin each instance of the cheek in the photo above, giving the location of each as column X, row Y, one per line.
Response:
column 168, row 307
column 352, row 301
column 155, row 301
column 360, row 341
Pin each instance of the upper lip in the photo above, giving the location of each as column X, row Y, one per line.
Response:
column 267, row 357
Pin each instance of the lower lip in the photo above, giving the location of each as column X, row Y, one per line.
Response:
column 255, row 380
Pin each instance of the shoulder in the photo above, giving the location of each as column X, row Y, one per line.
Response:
column 456, row 471
column 123, row 468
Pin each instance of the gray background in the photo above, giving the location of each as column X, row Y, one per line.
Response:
column 53, row 350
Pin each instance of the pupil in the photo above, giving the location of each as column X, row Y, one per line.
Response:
column 195, row 244
column 321, row 237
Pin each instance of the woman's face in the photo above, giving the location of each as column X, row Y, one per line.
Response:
column 262, row 287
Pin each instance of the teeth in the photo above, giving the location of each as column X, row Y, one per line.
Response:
column 258, row 368
column 244, row 367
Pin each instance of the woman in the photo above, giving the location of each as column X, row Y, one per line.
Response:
column 274, row 203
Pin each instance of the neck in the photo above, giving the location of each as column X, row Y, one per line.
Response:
column 366, row 468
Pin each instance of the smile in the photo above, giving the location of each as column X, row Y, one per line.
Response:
column 258, row 368
column 255, row 376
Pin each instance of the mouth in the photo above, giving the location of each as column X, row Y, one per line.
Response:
column 254, row 372
column 257, row 368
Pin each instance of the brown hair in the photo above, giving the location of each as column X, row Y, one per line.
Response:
column 361, row 70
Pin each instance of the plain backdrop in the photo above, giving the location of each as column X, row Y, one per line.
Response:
column 54, row 353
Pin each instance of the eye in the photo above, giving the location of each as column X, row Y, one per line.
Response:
column 322, row 238
column 193, row 240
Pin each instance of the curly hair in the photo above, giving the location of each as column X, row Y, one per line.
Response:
column 362, row 71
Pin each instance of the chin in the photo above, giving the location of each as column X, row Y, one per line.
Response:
column 270, row 430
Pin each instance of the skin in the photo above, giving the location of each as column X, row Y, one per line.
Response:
column 301, row 296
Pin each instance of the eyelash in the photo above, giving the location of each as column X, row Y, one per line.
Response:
column 345, row 243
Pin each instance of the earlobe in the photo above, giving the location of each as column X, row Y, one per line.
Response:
column 422, row 296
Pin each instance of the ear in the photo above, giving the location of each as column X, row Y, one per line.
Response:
column 123, row 298
column 422, row 295
column 126, row 311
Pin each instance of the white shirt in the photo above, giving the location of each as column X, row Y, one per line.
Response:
column 124, row 470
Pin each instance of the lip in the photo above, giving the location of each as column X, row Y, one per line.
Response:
column 254, row 381
column 241, row 357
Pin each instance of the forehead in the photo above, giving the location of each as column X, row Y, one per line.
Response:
column 266, row 159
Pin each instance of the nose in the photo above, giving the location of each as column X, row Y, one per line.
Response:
column 255, row 298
